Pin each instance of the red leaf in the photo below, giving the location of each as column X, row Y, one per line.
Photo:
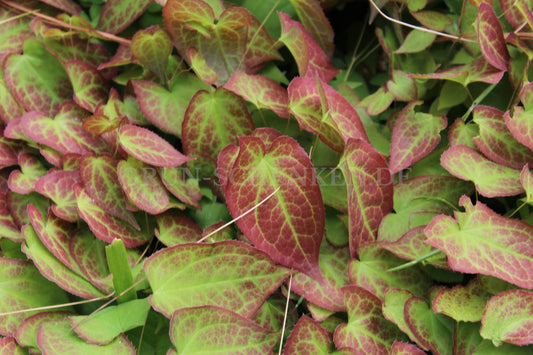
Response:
column 116, row 15
column 148, row 147
column 290, row 225
column 490, row 37
column 370, row 191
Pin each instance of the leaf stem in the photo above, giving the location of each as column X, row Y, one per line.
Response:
column 478, row 100
column 416, row 261
column 236, row 219
column 285, row 316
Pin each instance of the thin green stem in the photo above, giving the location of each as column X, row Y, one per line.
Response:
column 414, row 262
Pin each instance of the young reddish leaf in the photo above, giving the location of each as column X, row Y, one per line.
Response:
column 519, row 125
column 212, row 121
column 10, row 109
column 412, row 246
column 366, row 331
column 8, row 152
column 57, row 186
column 402, row 86
column 200, row 67
column 186, row 190
column 13, row 31
column 289, row 226
column 64, row 132
column 316, row 23
column 122, row 56
column 401, row 348
column 55, row 234
column 143, row 186
column 462, row 134
column 311, row 60
column 175, row 228
column 90, row 88
column 23, row 182
column 152, row 47
column 194, row 24
column 478, row 70
column 263, row 92
column 105, row 226
column 508, row 318
column 432, row 331
column 327, row 294
column 393, row 309
column 66, row 5
column 36, row 89
column 26, row 334
column 369, row 191
column 8, row 228
column 260, row 48
column 322, row 110
column 496, row 141
column 479, row 231
column 526, row 96
column 491, row 179
column 164, row 108
column 189, row 275
column 415, row 134
column 9, row 346
column 490, row 37
column 58, row 337
column 23, row 287
column 227, row 331
column 116, row 15
column 101, row 183
column 89, row 254
column 18, row 206
column 106, row 324
column 149, row 148
column 53, row 269
column 462, row 303
column 307, row 337
column 371, row 273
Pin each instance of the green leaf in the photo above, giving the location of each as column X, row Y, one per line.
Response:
column 434, row 20
column 23, row 287
column 307, row 336
column 402, row 86
column 508, row 318
column 393, row 309
column 462, row 303
column 366, row 331
column 462, row 134
column 189, row 275
column 58, row 337
column 90, row 88
column 118, row 265
column 105, row 325
column 491, row 179
column 416, row 41
column 175, row 228
column 228, row 332
column 451, row 94
column 23, row 75
column 152, row 47
column 481, row 241
column 26, row 334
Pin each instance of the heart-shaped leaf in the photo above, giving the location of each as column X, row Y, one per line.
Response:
column 152, row 47
column 228, row 332
column 90, row 88
column 148, row 147
column 289, row 226
column 23, row 74
column 175, row 228
column 247, row 279
column 369, row 191
column 366, row 331
column 23, row 181
column 462, row 303
column 307, row 336
column 462, row 134
column 481, row 231
column 415, row 134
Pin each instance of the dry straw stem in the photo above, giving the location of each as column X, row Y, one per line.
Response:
column 442, row 34
column 100, row 34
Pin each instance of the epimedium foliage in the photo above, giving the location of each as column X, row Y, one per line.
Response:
column 382, row 199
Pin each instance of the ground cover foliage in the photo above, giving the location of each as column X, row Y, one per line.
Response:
column 377, row 175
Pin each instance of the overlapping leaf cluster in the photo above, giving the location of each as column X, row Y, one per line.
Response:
column 390, row 206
